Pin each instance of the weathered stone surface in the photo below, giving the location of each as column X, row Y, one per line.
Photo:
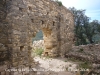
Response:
column 90, row 52
column 20, row 20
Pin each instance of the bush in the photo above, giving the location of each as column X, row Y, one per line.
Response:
column 39, row 51
column 59, row 2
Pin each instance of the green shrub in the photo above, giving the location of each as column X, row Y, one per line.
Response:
column 59, row 2
column 39, row 51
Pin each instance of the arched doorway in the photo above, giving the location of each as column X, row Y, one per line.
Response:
column 45, row 38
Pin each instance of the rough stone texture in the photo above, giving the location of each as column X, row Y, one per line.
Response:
column 4, row 38
column 20, row 20
column 90, row 52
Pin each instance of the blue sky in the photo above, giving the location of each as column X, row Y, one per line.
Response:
column 92, row 7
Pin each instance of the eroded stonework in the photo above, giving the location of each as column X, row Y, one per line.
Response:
column 20, row 20
column 88, row 52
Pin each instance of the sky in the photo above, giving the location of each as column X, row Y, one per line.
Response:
column 92, row 7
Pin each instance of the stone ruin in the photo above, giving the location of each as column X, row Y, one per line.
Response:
column 20, row 20
column 89, row 52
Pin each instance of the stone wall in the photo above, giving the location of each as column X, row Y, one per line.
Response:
column 20, row 20
column 4, row 39
column 56, row 22
column 90, row 52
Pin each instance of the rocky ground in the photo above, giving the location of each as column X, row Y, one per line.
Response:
column 86, row 52
column 62, row 66
column 89, row 53
column 55, row 66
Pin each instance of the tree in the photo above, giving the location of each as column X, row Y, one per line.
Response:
column 84, row 30
column 91, row 30
column 79, row 18
column 94, row 28
column 97, row 23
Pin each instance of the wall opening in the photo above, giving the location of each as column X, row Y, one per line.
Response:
column 39, row 36
column 42, row 42
column 38, row 44
column 21, row 48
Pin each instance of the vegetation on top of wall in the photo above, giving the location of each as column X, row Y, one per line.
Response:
column 59, row 2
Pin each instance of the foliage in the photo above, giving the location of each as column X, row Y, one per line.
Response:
column 39, row 51
column 91, row 30
column 84, row 29
column 59, row 2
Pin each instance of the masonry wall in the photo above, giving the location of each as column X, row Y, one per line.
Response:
column 21, row 20
column 4, row 39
